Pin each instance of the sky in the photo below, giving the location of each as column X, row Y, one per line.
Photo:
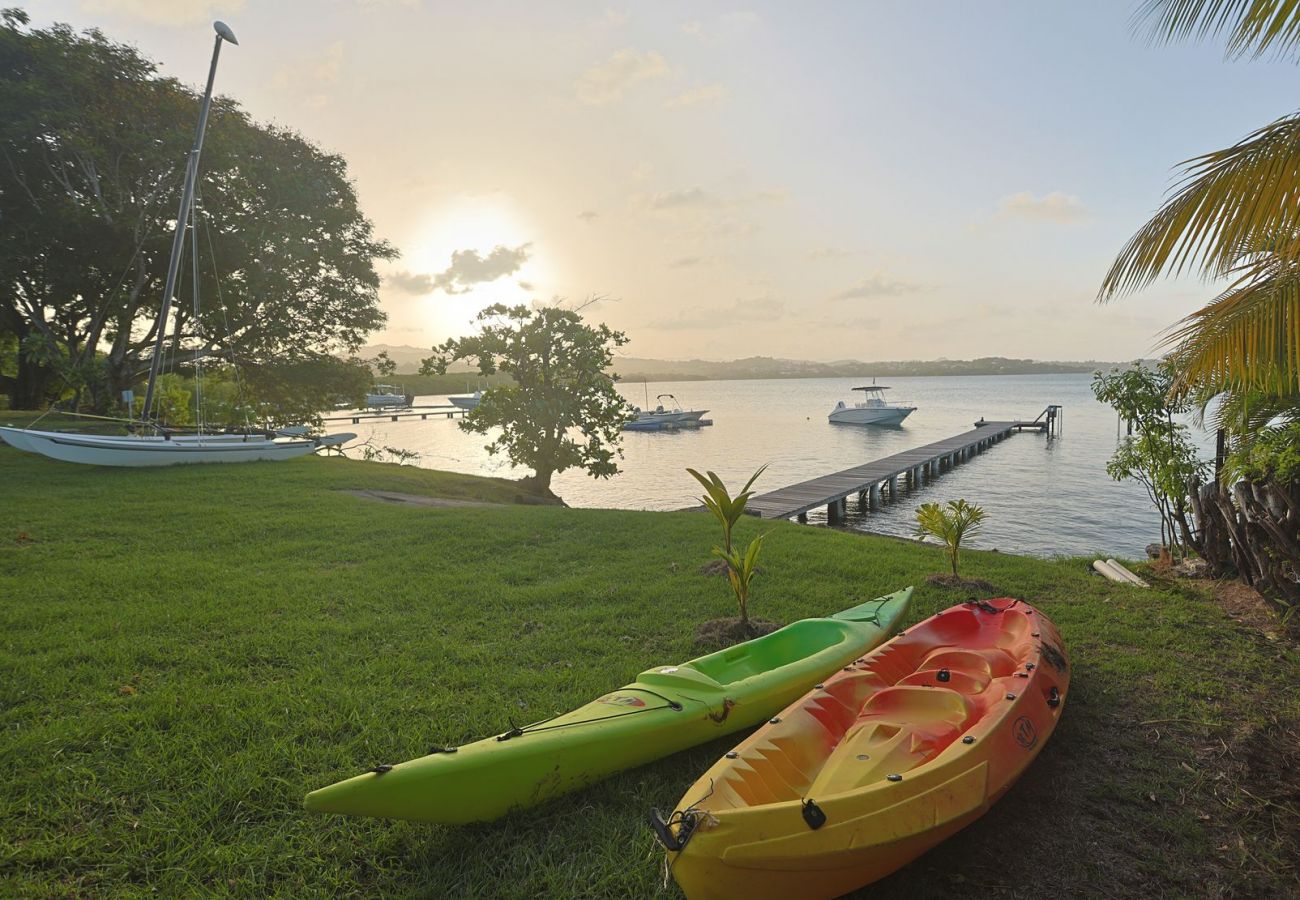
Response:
column 825, row 181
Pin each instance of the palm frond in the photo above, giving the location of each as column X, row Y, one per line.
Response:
column 1227, row 203
column 1253, row 27
column 1245, row 340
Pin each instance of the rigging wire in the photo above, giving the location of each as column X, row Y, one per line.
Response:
column 225, row 319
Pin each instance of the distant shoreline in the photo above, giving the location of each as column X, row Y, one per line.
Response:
column 653, row 377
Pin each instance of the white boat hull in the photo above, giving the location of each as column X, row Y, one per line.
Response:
column 130, row 450
column 466, row 403
column 880, row 415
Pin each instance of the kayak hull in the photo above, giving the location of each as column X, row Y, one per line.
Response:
column 913, row 744
column 667, row 709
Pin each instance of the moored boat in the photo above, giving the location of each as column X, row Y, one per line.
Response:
column 873, row 410
column 666, row 709
column 877, row 764
column 466, row 401
column 382, row 396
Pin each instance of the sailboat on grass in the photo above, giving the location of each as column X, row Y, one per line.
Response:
column 166, row 448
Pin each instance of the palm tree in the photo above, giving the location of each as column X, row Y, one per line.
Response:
column 1235, row 214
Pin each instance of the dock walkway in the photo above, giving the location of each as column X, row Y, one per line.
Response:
column 869, row 480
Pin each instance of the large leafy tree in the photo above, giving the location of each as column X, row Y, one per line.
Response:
column 93, row 144
column 562, row 410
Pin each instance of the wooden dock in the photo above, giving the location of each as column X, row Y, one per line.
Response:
column 406, row 412
column 870, row 480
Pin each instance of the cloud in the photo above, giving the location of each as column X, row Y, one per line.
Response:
column 307, row 78
column 607, row 82
column 687, row 262
column 527, row 285
column 588, row 215
column 409, row 283
column 689, row 198
column 697, row 96
column 468, row 268
column 878, row 284
column 1056, row 207
column 693, row 28
column 164, row 12
column 757, row 309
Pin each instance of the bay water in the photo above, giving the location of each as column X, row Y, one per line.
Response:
column 1042, row 496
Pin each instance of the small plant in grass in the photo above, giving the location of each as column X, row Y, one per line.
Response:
column 949, row 524
column 727, row 509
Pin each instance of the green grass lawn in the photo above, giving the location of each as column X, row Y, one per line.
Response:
column 187, row 651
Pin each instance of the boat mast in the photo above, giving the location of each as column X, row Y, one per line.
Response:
column 183, row 216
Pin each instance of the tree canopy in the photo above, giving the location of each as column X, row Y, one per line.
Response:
column 562, row 410
column 93, row 147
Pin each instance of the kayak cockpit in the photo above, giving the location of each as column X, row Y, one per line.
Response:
column 792, row 644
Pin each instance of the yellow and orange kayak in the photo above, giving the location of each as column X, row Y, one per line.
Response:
column 881, row 762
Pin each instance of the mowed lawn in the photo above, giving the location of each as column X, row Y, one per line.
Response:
column 185, row 652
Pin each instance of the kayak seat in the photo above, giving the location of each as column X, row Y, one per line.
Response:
column 921, row 705
column 791, row 644
column 988, row 662
column 684, row 678
column 900, row 728
column 961, row 680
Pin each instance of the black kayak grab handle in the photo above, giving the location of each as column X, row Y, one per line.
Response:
column 664, row 833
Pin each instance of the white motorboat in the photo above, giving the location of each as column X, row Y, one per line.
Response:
column 388, row 395
column 165, row 450
column 466, row 401
column 689, row 416
column 656, row 419
column 169, row 448
column 873, row 410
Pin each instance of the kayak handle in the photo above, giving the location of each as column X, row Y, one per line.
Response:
column 664, row 833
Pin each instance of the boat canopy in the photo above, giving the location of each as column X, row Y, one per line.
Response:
column 872, row 387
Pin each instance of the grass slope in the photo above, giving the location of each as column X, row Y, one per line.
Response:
column 186, row 652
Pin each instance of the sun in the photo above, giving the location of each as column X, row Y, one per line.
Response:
column 469, row 223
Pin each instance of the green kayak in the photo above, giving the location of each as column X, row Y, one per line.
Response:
column 667, row 709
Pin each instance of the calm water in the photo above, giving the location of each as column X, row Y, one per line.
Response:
column 1042, row 496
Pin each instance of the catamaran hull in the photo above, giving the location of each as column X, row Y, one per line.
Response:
column 102, row 450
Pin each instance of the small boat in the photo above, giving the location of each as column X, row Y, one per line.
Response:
column 467, row 401
column 878, row 764
column 689, row 416
column 873, row 410
column 382, row 396
column 666, row 709
column 657, row 419
column 167, row 449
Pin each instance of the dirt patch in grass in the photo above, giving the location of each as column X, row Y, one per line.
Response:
column 957, row 583
column 719, row 633
column 1244, row 604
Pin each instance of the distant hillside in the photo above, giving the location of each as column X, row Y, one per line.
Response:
column 769, row 367
column 635, row 368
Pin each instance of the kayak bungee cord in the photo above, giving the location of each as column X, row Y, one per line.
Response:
column 540, row 724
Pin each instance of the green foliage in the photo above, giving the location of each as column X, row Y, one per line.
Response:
column 949, row 525
column 717, row 499
column 562, row 410
column 1159, row 454
column 95, row 145
column 1274, row 455
column 728, row 510
column 741, row 568
column 292, row 390
column 383, row 365
column 173, row 400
